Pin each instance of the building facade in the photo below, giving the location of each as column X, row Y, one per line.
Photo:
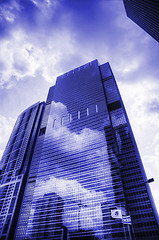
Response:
column 144, row 13
column 15, row 165
column 84, row 178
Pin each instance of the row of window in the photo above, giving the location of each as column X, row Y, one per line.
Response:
column 71, row 117
column 148, row 233
column 132, row 175
column 133, row 193
column 17, row 135
column 140, row 199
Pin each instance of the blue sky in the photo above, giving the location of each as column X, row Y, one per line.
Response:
column 41, row 39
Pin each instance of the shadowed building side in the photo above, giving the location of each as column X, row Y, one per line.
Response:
column 144, row 13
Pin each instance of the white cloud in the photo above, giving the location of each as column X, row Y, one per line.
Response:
column 79, row 202
column 76, row 142
column 9, row 16
column 73, row 141
column 28, row 56
column 138, row 99
column 69, row 189
column 6, row 126
column 16, row 60
column 46, row 6
column 128, row 65
column 8, row 11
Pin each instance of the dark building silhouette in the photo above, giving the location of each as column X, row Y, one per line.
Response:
column 144, row 13
column 82, row 173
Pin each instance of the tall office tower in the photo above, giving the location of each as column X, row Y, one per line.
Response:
column 85, row 176
column 144, row 13
column 15, row 166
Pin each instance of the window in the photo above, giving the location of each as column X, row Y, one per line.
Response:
column 96, row 108
column 87, row 111
column 62, row 121
column 70, row 117
column 42, row 131
column 54, row 123
column 78, row 114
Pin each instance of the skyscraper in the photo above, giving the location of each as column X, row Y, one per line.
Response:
column 83, row 176
column 144, row 13
column 15, row 165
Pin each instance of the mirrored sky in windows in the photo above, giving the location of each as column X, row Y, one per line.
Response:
column 42, row 39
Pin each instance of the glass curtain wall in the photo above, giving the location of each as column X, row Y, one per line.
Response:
column 78, row 173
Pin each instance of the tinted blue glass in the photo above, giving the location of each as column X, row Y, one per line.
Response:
column 85, row 165
column 74, row 169
column 15, row 162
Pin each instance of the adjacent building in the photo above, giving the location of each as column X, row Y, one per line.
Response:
column 144, row 13
column 72, row 170
column 15, row 164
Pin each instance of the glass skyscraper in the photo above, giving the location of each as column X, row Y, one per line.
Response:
column 71, row 169
column 145, row 13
